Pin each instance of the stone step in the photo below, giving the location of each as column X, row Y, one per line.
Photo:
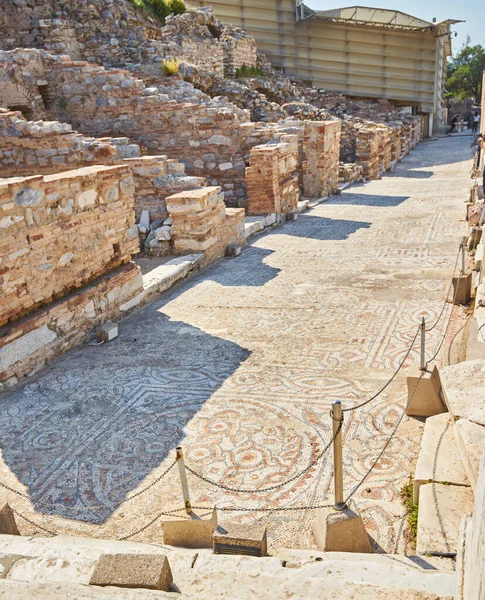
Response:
column 435, row 576
column 441, row 508
column 463, row 388
column 438, row 458
column 240, row 588
column 61, row 567
column 470, row 440
column 475, row 345
column 254, row 224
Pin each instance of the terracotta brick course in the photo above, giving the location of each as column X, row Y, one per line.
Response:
column 272, row 179
column 58, row 232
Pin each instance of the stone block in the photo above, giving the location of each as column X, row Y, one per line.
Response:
column 146, row 571
column 194, row 530
column 438, row 459
column 441, row 508
column 462, row 288
column 474, row 576
column 25, row 346
column 233, row 250
column 8, row 525
column 470, row 439
column 107, row 332
column 463, row 388
column 232, row 538
column 341, row 531
column 425, row 392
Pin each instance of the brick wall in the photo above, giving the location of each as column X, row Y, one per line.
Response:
column 157, row 177
column 239, row 49
column 58, row 232
column 28, row 147
column 320, row 166
column 367, row 151
column 201, row 222
column 385, row 149
column 271, row 178
column 29, row 343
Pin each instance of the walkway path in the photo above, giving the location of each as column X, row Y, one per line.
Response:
column 240, row 366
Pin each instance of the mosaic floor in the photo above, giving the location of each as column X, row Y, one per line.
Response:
column 240, row 365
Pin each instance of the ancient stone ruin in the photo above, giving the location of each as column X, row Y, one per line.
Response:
column 105, row 152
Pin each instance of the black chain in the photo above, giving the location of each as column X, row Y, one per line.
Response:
column 386, row 445
column 447, row 293
column 401, row 365
column 273, row 487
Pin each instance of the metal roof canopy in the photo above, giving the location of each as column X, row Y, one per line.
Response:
column 379, row 17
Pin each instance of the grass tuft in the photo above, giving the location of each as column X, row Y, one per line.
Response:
column 170, row 67
column 245, row 71
column 412, row 511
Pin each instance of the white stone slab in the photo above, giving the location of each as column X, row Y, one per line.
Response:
column 25, row 346
column 463, row 388
column 441, row 508
column 438, row 456
column 470, row 440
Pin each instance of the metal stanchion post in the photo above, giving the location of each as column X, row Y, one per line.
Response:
column 463, row 256
column 337, row 418
column 422, row 364
column 183, row 479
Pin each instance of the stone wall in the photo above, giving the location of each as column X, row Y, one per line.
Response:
column 473, row 569
column 58, row 232
column 367, row 151
column 157, row 177
column 28, row 147
column 384, row 149
column 28, row 344
column 320, row 166
column 271, row 178
column 239, row 49
column 201, row 222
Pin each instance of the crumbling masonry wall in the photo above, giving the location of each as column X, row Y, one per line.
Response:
column 157, row 177
column 201, row 222
column 58, row 232
column 28, row 147
column 320, row 165
column 272, row 179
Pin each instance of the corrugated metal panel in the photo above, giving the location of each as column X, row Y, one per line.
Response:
column 357, row 60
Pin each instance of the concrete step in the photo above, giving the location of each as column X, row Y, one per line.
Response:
column 470, row 440
column 463, row 388
column 61, row 567
column 438, row 458
column 441, row 508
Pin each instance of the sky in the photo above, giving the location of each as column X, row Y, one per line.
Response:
column 471, row 11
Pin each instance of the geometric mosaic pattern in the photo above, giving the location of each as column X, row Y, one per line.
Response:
column 240, row 365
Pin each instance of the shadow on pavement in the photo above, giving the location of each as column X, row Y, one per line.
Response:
column 92, row 427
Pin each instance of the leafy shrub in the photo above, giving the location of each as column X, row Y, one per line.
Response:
column 245, row 71
column 161, row 8
column 170, row 67
column 177, row 6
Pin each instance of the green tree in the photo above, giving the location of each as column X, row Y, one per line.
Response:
column 465, row 73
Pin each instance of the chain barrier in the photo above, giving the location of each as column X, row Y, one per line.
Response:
column 386, row 445
column 383, row 388
column 447, row 293
column 447, row 327
column 276, row 486
column 273, row 487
